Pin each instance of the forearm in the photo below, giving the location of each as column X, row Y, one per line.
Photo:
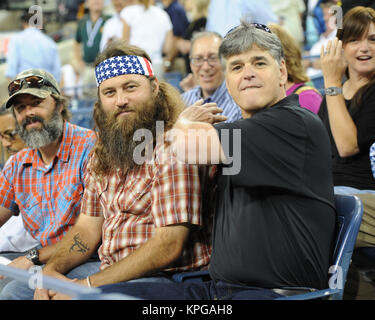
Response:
column 74, row 249
column 46, row 253
column 342, row 126
column 5, row 215
column 343, row 129
column 156, row 254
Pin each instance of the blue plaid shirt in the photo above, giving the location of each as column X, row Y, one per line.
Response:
column 48, row 196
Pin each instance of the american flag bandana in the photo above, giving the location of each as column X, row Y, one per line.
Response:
column 119, row 65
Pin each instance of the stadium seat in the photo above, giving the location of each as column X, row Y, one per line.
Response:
column 349, row 211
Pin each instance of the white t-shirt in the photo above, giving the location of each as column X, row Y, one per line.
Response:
column 112, row 30
column 14, row 237
column 148, row 29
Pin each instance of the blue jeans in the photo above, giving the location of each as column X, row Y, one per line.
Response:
column 19, row 290
column 209, row 290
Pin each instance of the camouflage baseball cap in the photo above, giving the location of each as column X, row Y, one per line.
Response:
column 45, row 87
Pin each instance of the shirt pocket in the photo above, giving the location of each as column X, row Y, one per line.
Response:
column 69, row 198
column 30, row 206
column 135, row 198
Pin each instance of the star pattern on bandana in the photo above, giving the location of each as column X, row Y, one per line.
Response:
column 119, row 65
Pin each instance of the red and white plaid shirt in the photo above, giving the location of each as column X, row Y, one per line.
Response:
column 151, row 196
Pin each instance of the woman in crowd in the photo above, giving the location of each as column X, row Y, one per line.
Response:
column 348, row 110
column 309, row 97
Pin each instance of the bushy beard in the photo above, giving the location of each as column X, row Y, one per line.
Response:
column 116, row 134
column 39, row 137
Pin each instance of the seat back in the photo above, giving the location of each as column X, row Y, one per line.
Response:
column 349, row 212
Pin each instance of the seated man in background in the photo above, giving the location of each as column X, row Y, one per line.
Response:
column 44, row 181
column 144, row 210
column 13, row 235
column 274, row 217
column 208, row 72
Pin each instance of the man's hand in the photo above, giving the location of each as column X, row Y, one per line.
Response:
column 53, row 295
column 20, row 263
column 208, row 112
column 44, row 294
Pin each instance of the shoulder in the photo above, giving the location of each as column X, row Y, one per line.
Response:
column 16, row 161
column 82, row 135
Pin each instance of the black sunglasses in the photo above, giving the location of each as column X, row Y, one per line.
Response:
column 29, row 82
column 256, row 25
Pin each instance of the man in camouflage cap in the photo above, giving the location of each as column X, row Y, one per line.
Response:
column 44, row 180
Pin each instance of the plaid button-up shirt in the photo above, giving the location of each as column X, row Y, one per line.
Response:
column 48, row 196
column 151, row 196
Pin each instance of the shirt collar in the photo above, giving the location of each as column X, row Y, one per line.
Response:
column 215, row 95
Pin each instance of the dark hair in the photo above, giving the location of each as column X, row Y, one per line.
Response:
column 356, row 24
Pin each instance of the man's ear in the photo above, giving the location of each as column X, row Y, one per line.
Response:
column 155, row 86
column 283, row 73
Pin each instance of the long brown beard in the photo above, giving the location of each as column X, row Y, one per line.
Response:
column 116, row 135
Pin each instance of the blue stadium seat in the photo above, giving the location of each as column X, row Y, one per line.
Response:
column 81, row 110
column 349, row 211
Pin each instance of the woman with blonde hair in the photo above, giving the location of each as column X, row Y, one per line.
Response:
column 309, row 97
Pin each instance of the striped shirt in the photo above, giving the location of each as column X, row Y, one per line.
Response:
column 150, row 196
column 48, row 196
column 372, row 158
column 221, row 97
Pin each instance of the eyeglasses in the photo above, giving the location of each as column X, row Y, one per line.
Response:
column 198, row 62
column 30, row 82
column 9, row 135
column 254, row 24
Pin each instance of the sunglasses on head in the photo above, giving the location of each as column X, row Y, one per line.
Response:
column 29, row 82
column 254, row 24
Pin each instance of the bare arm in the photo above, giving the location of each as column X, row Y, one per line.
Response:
column 343, row 129
column 157, row 253
column 5, row 215
column 76, row 246
column 194, row 139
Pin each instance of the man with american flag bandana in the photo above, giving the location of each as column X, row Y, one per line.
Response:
column 145, row 217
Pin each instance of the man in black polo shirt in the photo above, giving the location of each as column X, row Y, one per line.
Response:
column 274, row 210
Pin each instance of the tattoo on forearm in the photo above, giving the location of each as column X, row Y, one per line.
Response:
column 78, row 245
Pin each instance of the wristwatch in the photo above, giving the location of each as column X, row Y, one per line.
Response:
column 33, row 256
column 333, row 91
